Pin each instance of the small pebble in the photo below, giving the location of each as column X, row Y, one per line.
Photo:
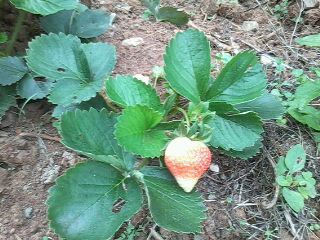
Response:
column 132, row 42
column 12, row 231
column 28, row 212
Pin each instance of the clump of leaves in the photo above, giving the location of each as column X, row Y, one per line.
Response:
column 303, row 108
column 281, row 10
column 296, row 185
column 38, row 74
column 166, row 14
column 100, row 194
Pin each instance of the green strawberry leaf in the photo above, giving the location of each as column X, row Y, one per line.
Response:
column 171, row 207
column 293, row 198
column 307, row 115
column 139, row 94
column 97, row 103
column 295, row 158
column 281, row 167
column 266, row 106
column 152, row 5
column 236, row 131
column 187, row 64
column 30, row 88
column 91, row 201
column 247, row 152
column 247, row 88
column 284, row 181
column 12, row 69
column 310, row 41
column 305, row 93
column 79, row 69
column 172, row 15
column 91, row 133
column 299, row 108
column 135, row 131
column 234, row 72
column 7, row 100
column 85, row 24
column 44, row 7
column 222, row 108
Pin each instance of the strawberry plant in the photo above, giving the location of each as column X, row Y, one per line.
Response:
column 32, row 77
column 94, row 198
column 165, row 14
column 296, row 185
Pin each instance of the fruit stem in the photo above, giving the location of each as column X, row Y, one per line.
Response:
column 185, row 116
column 17, row 29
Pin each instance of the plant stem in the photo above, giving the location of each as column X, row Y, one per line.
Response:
column 185, row 116
column 17, row 29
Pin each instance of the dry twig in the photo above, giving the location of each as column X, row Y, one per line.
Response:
column 43, row 136
column 267, row 205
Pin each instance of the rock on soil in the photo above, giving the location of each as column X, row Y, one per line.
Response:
column 132, row 42
column 250, row 26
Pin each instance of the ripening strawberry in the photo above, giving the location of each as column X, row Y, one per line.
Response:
column 187, row 160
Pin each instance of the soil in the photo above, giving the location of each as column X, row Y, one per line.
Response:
column 31, row 156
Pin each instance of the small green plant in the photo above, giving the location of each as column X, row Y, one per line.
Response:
column 25, row 78
column 100, row 194
column 281, row 10
column 314, row 227
column 296, row 184
column 164, row 14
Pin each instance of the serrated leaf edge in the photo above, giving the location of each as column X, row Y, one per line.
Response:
column 56, row 183
column 123, row 147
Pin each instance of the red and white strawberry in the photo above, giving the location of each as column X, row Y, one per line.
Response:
column 187, row 161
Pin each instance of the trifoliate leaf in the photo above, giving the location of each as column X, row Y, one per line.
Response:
column 135, row 131
column 12, row 69
column 91, row 201
column 307, row 115
column 172, row 15
column 171, row 207
column 236, row 131
column 85, row 24
column 266, row 106
column 30, row 88
column 294, row 199
column 129, row 91
column 234, row 71
column 91, row 133
column 187, row 64
column 44, row 7
column 79, row 69
column 295, row 158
